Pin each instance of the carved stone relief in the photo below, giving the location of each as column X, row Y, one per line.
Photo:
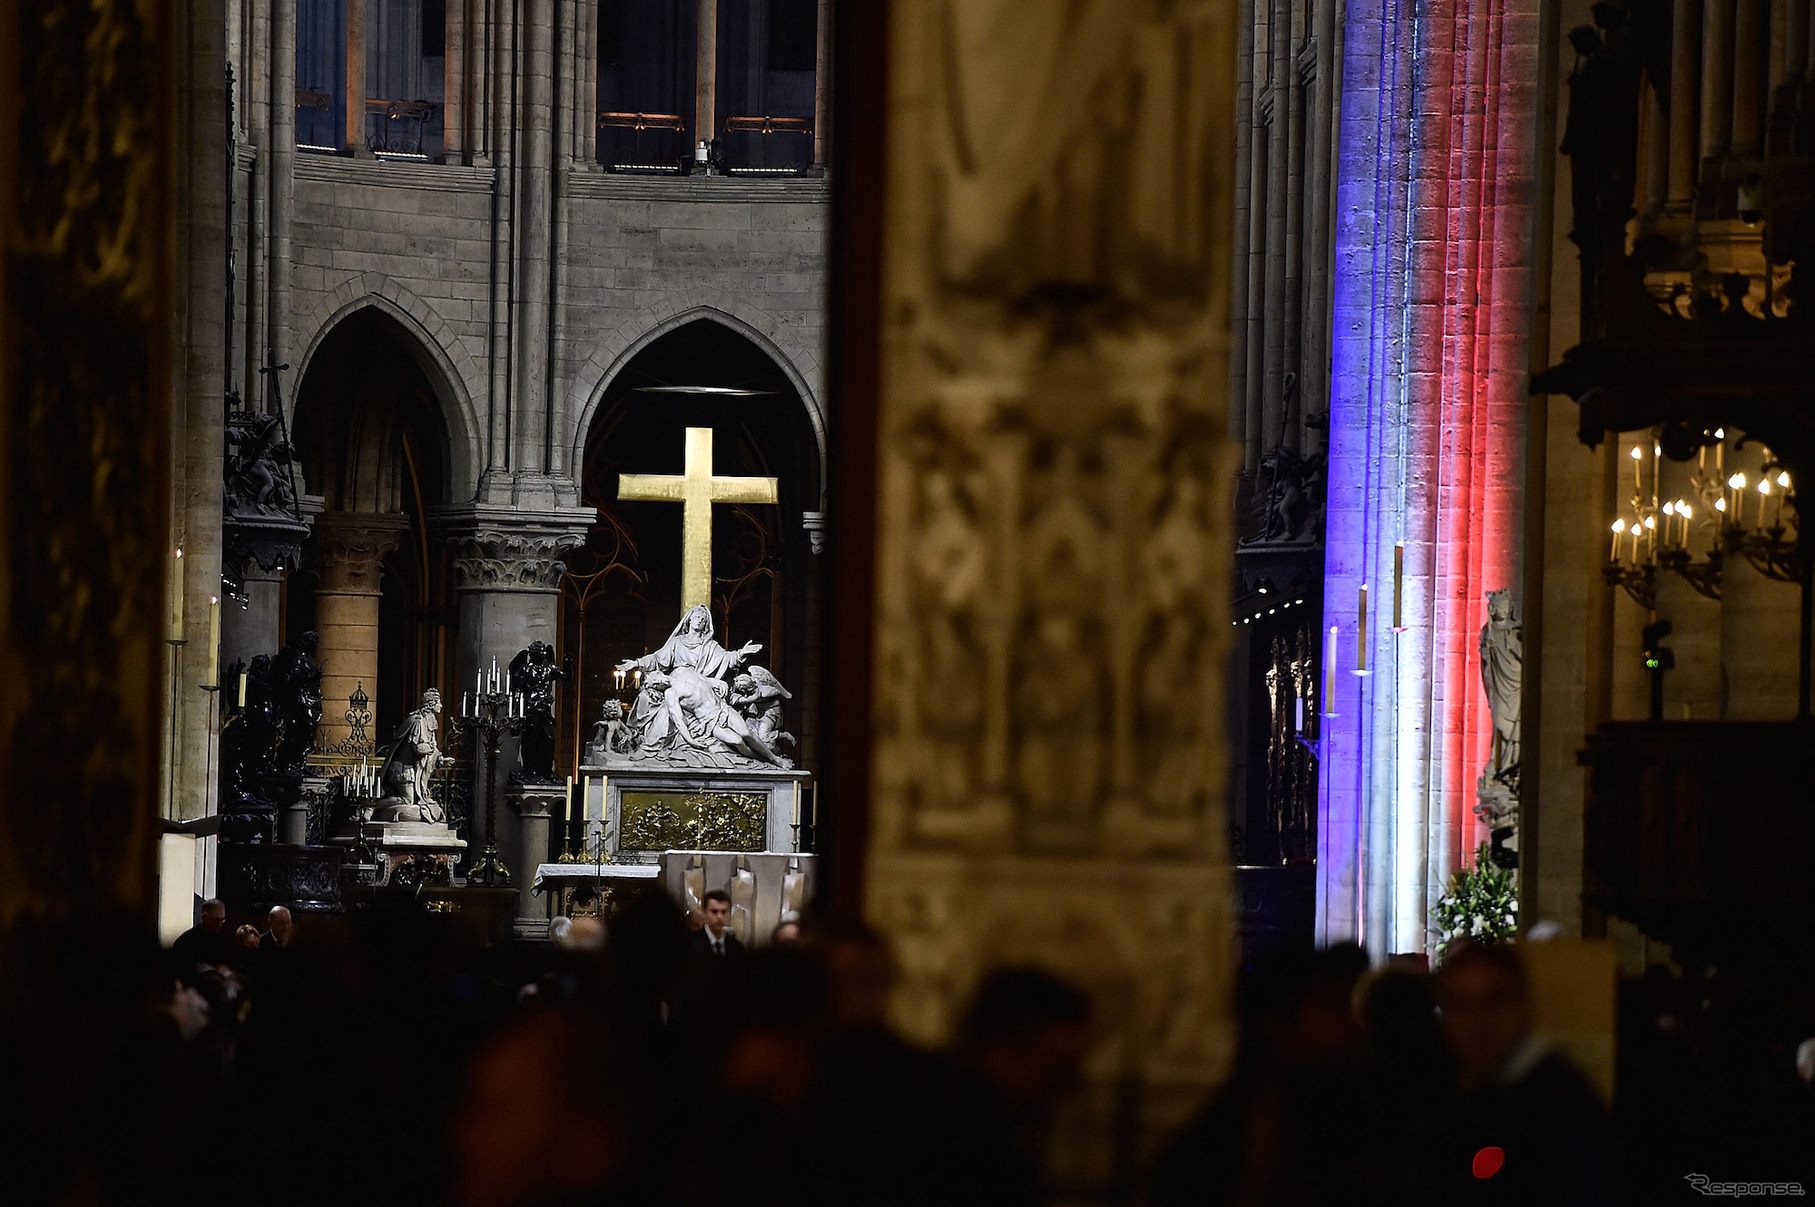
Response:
column 500, row 558
column 1049, row 639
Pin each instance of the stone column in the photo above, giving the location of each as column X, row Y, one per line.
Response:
column 508, row 568
column 1685, row 31
column 252, row 630
column 1717, row 77
column 1069, row 813
column 85, row 413
column 348, row 550
column 1749, row 18
column 356, row 77
column 705, row 114
column 532, row 810
column 822, row 85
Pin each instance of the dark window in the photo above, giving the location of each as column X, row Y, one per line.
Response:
column 793, row 30
column 647, row 64
column 434, row 28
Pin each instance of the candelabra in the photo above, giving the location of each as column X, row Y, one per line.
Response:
column 490, row 713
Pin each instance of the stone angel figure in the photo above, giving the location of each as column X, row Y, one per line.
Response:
column 758, row 695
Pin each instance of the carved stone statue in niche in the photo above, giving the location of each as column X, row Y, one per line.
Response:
column 1288, row 506
column 534, row 673
column 410, row 766
column 1502, row 675
column 296, row 693
column 258, row 478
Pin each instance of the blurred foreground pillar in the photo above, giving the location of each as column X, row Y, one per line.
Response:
column 85, row 395
column 1036, row 300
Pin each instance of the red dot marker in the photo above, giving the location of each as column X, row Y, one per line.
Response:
column 1488, row 1161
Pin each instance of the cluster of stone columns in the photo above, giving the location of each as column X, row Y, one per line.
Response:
column 347, row 555
column 1286, row 101
column 478, row 112
column 1728, row 61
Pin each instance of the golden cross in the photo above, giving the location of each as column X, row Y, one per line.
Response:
column 696, row 490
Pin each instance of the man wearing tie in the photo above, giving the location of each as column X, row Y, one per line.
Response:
column 717, row 942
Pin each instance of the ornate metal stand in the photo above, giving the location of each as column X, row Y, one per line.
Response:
column 489, row 716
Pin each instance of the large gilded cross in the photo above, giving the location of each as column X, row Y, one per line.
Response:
column 696, row 490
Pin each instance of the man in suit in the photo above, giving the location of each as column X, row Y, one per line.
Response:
column 203, row 943
column 277, row 929
column 713, row 939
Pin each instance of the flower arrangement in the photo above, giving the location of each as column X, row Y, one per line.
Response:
column 1481, row 903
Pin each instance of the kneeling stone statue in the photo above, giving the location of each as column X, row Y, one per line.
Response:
column 406, row 774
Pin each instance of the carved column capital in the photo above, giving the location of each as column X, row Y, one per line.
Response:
column 505, row 549
column 347, row 549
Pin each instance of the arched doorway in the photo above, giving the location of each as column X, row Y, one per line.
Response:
column 375, row 580
column 622, row 593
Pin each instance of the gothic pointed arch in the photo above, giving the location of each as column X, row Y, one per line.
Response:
column 800, row 363
column 431, row 342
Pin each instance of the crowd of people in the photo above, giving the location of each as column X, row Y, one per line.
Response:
column 390, row 1057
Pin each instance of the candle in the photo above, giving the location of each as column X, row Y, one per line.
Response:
column 1329, row 674
column 1619, row 529
column 1638, row 487
column 1764, row 492
column 1720, row 450
column 797, row 802
column 1657, row 454
column 1298, row 714
column 566, row 812
column 813, row 819
column 214, row 641
column 1399, row 587
column 1683, row 512
column 507, row 682
column 176, row 599
column 1361, row 632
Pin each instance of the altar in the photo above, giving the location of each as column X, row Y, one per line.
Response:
column 650, row 809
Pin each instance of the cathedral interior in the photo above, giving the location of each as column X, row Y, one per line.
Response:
column 872, row 601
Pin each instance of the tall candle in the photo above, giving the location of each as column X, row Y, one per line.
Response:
column 1329, row 674
column 1361, row 632
column 242, row 688
column 797, row 802
column 1619, row 528
column 1298, row 714
column 567, row 813
column 214, row 641
column 175, row 627
column 1399, row 587
column 1638, row 485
